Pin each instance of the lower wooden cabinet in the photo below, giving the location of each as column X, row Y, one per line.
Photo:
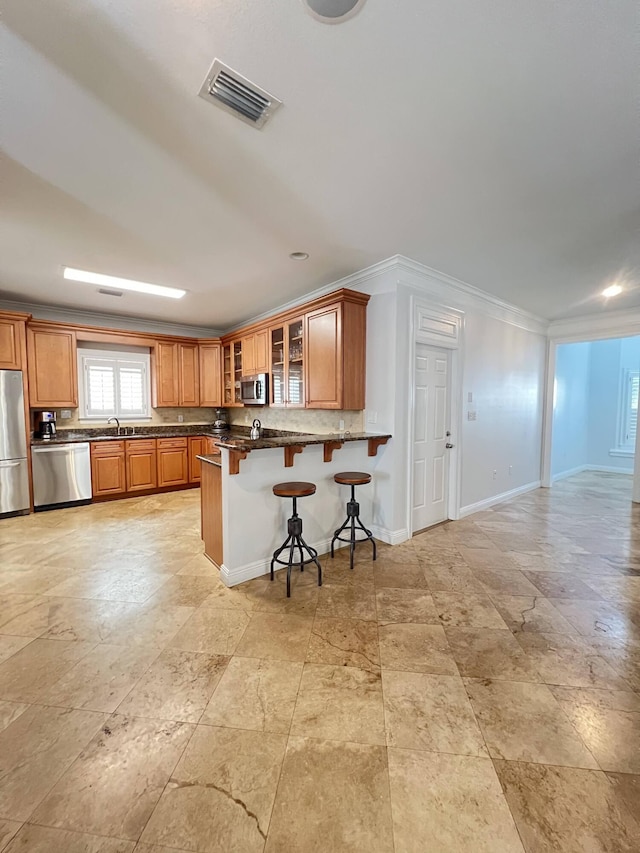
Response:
column 141, row 464
column 108, row 476
column 173, row 462
column 197, row 447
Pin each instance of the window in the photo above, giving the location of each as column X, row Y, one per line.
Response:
column 113, row 384
column 629, row 409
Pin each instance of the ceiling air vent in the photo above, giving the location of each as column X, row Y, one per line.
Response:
column 107, row 291
column 234, row 93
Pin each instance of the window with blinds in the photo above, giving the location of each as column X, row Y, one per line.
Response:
column 114, row 385
column 629, row 408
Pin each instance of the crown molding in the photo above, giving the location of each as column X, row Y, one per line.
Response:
column 593, row 327
column 111, row 321
column 460, row 295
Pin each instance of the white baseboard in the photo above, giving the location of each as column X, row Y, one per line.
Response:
column 570, row 473
column 391, row 537
column 259, row 568
column 497, row 499
column 608, row 469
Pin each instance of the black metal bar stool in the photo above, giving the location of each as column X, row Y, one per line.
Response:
column 294, row 529
column 353, row 479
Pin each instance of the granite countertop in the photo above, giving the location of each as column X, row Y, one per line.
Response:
column 243, row 443
column 212, row 459
column 110, row 434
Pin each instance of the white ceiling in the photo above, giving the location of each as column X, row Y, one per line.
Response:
column 497, row 142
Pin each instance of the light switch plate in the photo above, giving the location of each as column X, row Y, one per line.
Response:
column 471, row 416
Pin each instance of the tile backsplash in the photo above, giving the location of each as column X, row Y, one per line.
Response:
column 298, row 420
column 159, row 417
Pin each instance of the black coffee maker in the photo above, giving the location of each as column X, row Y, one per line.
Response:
column 45, row 424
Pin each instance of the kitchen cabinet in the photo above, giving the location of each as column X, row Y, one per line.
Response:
column 173, row 462
column 52, row 367
column 232, row 373
column 255, row 353
column 176, row 374
column 141, row 465
column 287, row 364
column 211, row 511
column 108, row 473
column 197, row 447
column 210, row 375
column 335, row 350
column 11, row 343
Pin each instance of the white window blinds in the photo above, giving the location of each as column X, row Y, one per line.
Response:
column 114, row 385
column 630, row 408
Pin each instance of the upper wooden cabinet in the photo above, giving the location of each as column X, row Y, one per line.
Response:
column 176, row 374
column 210, row 374
column 255, row 357
column 12, row 338
column 232, row 373
column 287, row 364
column 52, row 366
column 335, row 347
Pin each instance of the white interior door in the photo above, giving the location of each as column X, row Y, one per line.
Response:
column 431, row 424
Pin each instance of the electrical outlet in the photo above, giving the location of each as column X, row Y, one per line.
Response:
column 180, row 419
column 65, row 414
column 341, row 425
column 471, row 416
column 510, row 470
column 495, row 474
column 372, row 417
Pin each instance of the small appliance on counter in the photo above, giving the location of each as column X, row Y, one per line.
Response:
column 254, row 390
column 255, row 429
column 14, row 471
column 220, row 424
column 45, row 424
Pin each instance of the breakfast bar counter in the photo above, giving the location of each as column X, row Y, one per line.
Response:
column 243, row 522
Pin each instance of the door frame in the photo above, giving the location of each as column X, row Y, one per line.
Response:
column 437, row 326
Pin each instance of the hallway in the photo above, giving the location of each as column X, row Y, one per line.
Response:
column 476, row 688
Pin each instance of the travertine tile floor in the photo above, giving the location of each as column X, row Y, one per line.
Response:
column 477, row 688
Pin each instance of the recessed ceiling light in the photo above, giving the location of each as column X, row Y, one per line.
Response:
column 113, row 281
column 333, row 11
column 613, row 290
column 299, row 256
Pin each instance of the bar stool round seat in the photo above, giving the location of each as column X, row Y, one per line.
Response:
column 353, row 478
column 294, row 490
column 294, row 542
column 352, row 525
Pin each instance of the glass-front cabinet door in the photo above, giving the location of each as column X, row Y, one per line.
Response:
column 237, row 372
column 278, row 381
column 295, row 364
column 287, row 365
column 227, row 376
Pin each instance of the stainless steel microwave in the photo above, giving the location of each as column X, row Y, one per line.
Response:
column 254, row 390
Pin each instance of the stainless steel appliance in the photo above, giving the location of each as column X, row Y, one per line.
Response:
column 220, row 424
column 254, row 390
column 61, row 475
column 45, row 424
column 14, row 471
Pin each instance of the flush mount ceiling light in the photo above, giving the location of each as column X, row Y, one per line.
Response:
column 115, row 283
column 333, row 11
column 299, row 256
column 613, row 290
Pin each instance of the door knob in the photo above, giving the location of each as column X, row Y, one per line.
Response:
column 448, row 445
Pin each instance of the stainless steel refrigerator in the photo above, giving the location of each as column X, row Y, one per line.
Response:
column 14, row 472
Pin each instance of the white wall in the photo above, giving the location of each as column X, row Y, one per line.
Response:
column 571, row 410
column 604, row 401
column 504, row 369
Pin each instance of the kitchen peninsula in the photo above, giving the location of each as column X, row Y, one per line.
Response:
column 243, row 522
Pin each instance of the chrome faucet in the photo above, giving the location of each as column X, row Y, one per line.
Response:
column 117, row 423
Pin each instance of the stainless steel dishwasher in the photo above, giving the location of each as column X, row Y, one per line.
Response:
column 61, row 475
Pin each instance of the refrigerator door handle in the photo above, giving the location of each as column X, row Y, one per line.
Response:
column 9, row 464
